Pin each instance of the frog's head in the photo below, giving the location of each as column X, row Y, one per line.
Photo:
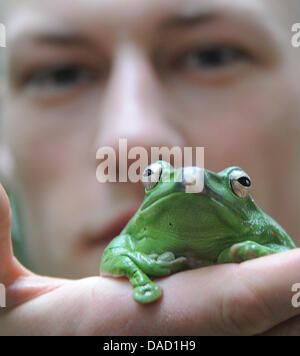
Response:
column 223, row 209
column 229, row 187
column 223, row 201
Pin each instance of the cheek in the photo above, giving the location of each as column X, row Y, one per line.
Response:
column 242, row 125
column 51, row 144
column 252, row 126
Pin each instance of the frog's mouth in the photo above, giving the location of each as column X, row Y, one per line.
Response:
column 223, row 203
column 195, row 181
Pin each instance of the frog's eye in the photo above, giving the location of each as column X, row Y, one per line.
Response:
column 151, row 176
column 240, row 183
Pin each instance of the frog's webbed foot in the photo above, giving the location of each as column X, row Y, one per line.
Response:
column 157, row 265
column 147, row 293
column 165, row 263
column 137, row 266
column 247, row 250
column 166, row 257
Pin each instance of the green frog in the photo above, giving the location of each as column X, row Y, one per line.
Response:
column 175, row 229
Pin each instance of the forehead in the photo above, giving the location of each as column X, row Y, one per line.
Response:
column 119, row 13
column 111, row 21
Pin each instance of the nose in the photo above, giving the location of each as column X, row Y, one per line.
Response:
column 133, row 106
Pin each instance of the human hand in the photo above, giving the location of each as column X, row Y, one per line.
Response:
column 230, row 299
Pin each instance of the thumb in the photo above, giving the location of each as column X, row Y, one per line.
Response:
column 19, row 289
column 10, row 268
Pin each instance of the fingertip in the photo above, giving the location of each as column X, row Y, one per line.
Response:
column 6, row 251
column 5, row 210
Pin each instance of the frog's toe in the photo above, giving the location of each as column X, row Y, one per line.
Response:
column 147, row 293
column 166, row 257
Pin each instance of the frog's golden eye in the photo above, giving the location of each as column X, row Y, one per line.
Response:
column 151, row 176
column 240, row 183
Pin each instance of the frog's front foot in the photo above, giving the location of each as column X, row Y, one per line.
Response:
column 166, row 257
column 246, row 250
column 147, row 293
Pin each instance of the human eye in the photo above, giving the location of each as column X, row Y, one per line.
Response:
column 212, row 58
column 58, row 78
column 210, row 63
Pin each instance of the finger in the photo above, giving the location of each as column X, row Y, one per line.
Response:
column 244, row 299
column 21, row 284
column 29, row 287
column 288, row 328
column 6, row 252
column 10, row 268
column 229, row 299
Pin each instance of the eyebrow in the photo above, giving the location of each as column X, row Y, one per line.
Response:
column 185, row 21
column 62, row 39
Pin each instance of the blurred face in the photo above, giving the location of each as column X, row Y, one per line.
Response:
column 81, row 74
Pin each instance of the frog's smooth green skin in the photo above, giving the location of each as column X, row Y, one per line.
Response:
column 174, row 230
